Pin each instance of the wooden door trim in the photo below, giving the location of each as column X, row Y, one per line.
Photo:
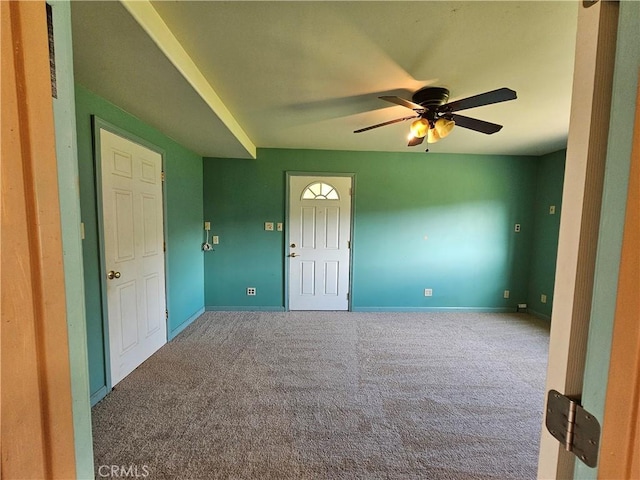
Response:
column 37, row 422
column 619, row 453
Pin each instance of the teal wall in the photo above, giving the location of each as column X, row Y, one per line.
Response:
column 466, row 206
column 546, row 230
column 67, row 161
column 183, row 227
column 616, row 181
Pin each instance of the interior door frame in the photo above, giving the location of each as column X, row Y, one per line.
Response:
column 580, row 220
column 97, row 124
column 285, row 237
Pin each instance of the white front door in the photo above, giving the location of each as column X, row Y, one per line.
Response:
column 133, row 252
column 319, row 242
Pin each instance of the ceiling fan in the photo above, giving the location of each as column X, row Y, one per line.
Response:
column 435, row 118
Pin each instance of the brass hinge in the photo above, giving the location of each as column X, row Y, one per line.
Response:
column 162, row 176
column 573, row 426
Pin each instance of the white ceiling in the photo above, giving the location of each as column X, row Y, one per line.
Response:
column 306, row 74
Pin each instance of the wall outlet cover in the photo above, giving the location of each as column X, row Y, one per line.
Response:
column 506, row 294
column 428, row 292
column 207, row 226
column 251, row 291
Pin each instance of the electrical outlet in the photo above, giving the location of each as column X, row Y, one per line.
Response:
column 543, row 298
column 251, row 291
column 428, row 292
column 207, row 226
column 268, row 226
column 517, row 228
column 552, row 209
column 506, row 294
column 215, row 239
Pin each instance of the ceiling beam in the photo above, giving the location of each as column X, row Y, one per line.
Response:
column 152, row 23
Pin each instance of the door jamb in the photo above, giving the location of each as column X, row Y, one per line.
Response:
column 285, row 242
column 97, row 124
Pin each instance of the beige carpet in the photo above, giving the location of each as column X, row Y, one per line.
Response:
column 328, row 395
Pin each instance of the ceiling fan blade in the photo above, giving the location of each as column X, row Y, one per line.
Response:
column 475, row 124
column 415, row 141
column 402, row 102
column 495, row 96
column 390, row 122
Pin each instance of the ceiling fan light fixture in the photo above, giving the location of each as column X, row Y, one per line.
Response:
column 443, row 127
column 432, row 136
column 419, row 128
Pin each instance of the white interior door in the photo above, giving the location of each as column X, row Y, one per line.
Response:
column 319, row 242
column 133, row 252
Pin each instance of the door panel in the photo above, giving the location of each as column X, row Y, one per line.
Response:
column 332, row 228
column 331, row 281
column 133, row 251
column 127, row 309
column 320, row 231
column 123, row 210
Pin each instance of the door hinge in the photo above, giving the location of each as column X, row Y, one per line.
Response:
column 162, row 176
column 347, row 295
column 164, row 246
column 166, row 314
column 573, row 427
column 348, row 243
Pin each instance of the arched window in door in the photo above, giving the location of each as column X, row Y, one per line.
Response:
column 320, row 191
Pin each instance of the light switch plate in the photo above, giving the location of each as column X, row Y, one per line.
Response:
column 279, row 226
column 552, row 209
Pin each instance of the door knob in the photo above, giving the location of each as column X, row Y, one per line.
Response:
column 293, row 254
column 111, row 275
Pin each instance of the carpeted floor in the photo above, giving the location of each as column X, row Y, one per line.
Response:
column 328, row 395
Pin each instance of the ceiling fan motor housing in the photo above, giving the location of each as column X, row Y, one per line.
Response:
column 431, row 96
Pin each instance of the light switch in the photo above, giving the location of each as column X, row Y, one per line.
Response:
column 268, row 226
column 279, row 226
column 552, row 209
